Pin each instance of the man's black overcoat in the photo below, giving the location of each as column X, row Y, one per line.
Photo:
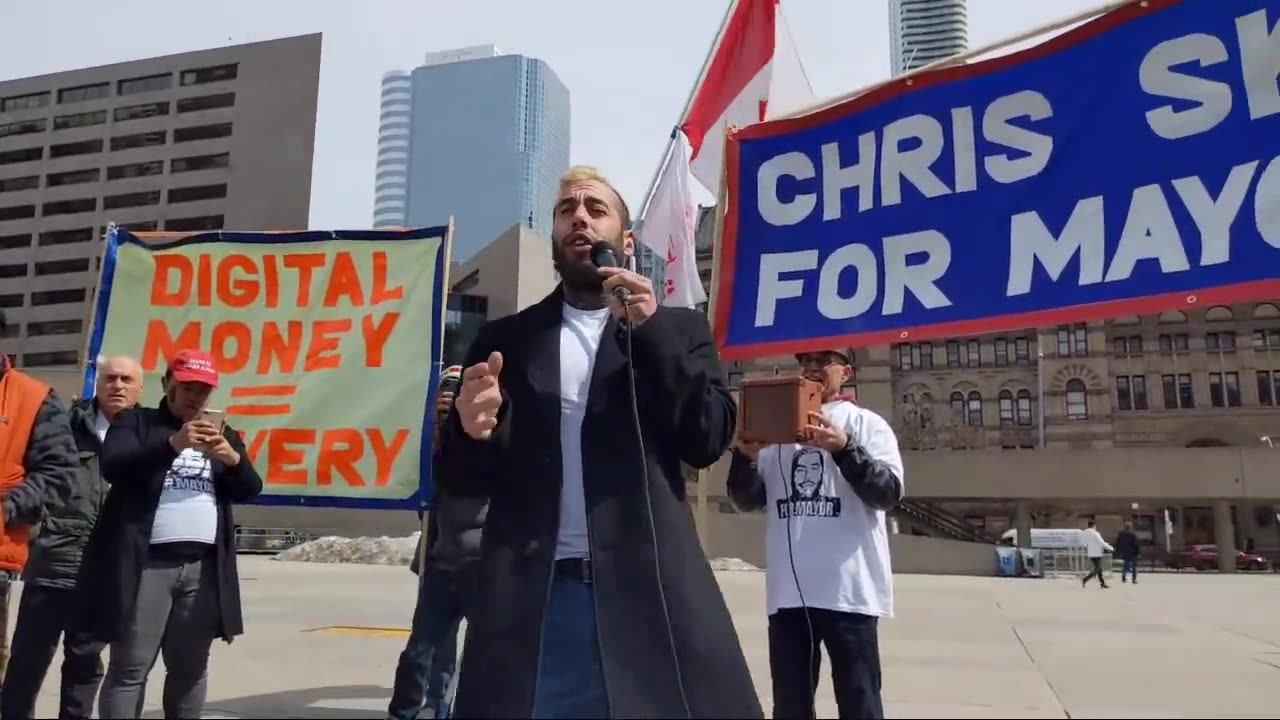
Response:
column 687, row 415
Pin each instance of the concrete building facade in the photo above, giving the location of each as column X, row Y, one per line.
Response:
column 204, row 140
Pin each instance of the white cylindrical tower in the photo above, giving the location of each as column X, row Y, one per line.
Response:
column 391, row 175
column 925, row 31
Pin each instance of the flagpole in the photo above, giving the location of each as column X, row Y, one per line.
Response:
column 693, row 93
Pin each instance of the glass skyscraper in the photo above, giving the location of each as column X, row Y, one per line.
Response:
column 474, row 135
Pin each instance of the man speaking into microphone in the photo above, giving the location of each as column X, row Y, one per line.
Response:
column 574, row 417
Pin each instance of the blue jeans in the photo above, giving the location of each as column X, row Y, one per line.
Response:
column 570, row 680
column 427, row 663
column 1129, row 568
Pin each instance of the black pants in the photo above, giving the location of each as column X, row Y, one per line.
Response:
column 427, row 664
column 45, row 614
column 1097, row 572
column 853, row 645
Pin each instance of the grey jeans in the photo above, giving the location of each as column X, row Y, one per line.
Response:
column 177, row 616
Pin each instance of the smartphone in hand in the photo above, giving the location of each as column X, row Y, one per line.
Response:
column 217, row 418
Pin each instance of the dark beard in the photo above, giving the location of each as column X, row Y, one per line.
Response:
column 580, row 277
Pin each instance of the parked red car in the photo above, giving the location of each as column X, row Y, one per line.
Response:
column 1205, row 557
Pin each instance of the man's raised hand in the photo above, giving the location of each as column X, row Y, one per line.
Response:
column 480, row 398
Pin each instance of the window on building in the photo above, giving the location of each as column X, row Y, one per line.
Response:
column 1269, row 387
column 1174, row 344
column 71, row 149
column 1131, row 392
column 1220, row 342
column 141, row 140
column 1224, row 389
column 30, row 182
column 1026, row 416
column 1077, row 400
column 57, row 297
column 974, row 353
column 55, row 327
column 23, row 127
column 12, row 330
column 17, row 212
column 62, row 267
column 1007, row 415
column 1022, row 350
column 200, row 162
column 46, row 359
column 1129, row 346
column 974, row 415
column 194, row 224
column 141, row 112
column 904, row 357
column 135, row 170
column 217, row 73
column 14, row 270
column 953, row 354
column 196, row 193
column 32, row 101
column 86, row 119
column 150, row 83
column 12, row 300
column 11, row 157
column 957, row 408
column 206, row 102
column 201, row 132
column 1002, row 352
column 13, row 242
column 70, row 207
column 1073, row 340
column 129, row 200
column 84, row 93
column 1178, row 393
column 145, row 226
column 65, row 237
column 73, row 177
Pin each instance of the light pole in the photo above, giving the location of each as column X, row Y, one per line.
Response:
column 1040, row 393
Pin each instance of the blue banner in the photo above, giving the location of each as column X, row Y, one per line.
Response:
column 1131, row 165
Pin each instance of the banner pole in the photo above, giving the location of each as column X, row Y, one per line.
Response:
column 962, row 58
column 91, row 321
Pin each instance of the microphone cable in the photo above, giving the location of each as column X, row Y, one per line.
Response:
column 804, row 605
column 648, row 497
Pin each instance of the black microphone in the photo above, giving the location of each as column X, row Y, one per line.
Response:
column 603, row 255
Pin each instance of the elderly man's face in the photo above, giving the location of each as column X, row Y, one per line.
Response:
column 119, row 385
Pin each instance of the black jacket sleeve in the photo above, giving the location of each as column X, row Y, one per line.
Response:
column 472, row 467
column 51, row 462
column 239, row 483
column 131, row 463
column 745, row 484
column 679, row 369
column 873, row 467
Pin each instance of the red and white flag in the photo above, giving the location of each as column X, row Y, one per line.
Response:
column 754, row 74
column 668, row 230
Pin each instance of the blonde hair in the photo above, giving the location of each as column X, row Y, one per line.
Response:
column 581, row 173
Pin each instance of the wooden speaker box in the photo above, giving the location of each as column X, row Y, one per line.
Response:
column 775, row 410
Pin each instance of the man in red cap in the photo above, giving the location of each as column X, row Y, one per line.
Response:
column 159, row 575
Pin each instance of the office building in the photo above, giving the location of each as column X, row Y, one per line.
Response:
column 198, row 141
column 475, row 135
column 925, row 31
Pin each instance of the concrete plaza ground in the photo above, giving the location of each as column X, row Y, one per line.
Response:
column 1176, row 645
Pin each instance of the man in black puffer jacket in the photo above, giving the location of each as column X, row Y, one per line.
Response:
column 49, row 595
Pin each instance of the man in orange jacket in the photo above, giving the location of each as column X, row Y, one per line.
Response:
column 38, row 462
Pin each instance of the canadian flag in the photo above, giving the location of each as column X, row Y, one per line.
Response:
column 754, row 74
column 668, row 230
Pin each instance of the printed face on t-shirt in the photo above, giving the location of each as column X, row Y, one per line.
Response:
column 806, row 474
column 808, row 479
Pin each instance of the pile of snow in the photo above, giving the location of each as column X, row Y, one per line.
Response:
column 399, row 551
column 732, row 565
column 364, row 550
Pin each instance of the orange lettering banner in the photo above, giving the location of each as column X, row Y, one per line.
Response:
column 327, row 346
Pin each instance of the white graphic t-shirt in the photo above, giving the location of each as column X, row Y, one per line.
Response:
column 839, row 545
column 188, row 509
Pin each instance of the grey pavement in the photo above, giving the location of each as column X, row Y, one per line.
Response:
column 1176, row 645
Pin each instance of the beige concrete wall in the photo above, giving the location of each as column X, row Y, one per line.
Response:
column 913, row 554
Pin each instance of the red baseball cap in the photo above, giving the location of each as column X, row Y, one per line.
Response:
column 194, row 366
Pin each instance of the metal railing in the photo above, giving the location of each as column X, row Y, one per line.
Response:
column 1071, row 562
column 270, row 541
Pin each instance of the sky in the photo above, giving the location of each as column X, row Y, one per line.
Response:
column 626, row 95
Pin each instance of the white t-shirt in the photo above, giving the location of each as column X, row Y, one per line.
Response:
column 188, row 509
column 100, row 426
column 1093, row 542
column 840, row 546
column 579, row 340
